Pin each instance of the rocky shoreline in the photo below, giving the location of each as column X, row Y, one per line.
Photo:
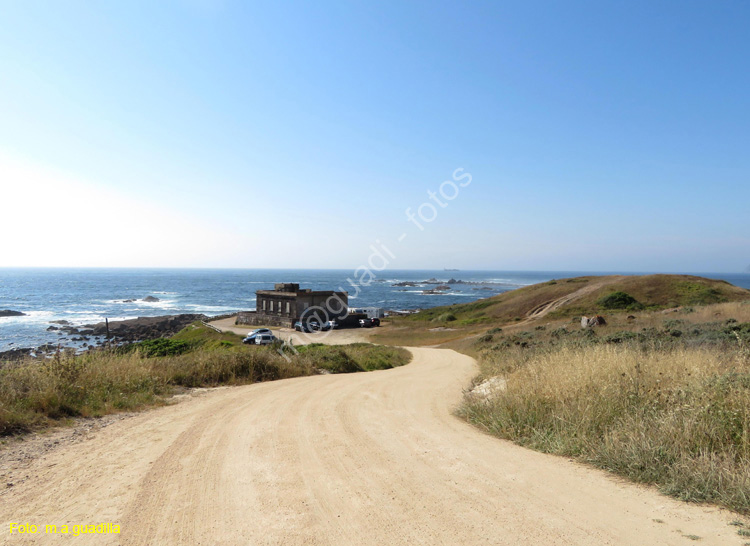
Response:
column 91, row 336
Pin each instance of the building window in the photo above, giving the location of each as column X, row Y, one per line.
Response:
column 288, row 308
column 264, row 304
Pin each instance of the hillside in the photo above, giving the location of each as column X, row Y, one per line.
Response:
column 586, row 295
column 560, row 299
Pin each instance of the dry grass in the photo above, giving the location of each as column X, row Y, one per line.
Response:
column 677, row 418
column 35, row 394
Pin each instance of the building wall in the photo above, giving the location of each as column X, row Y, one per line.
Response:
column 251, row 318
column 281, row 305
column 282, row 308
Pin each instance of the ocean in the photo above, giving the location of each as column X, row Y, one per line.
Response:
column 85, row 296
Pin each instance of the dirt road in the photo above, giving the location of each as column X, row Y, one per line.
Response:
column 370, row 458
column 332, row 337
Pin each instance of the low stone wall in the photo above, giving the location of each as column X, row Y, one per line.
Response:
column 251, row 318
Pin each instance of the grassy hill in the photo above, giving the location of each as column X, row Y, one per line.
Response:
column 561, row 299
column 587, row 296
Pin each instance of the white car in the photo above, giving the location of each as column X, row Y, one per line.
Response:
column 329, row 325
column 265, row 339
column 252, row 336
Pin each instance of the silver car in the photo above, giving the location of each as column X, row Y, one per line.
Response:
column 265, row 339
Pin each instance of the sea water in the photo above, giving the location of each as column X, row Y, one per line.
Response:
column 86, row 296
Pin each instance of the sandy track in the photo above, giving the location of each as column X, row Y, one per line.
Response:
column 546, row 308
column 343, row 336
column 370, row 458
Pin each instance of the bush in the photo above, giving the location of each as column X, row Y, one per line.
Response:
column 356, row 357
column 619, row 337
column 335, row 359
column 619, row 300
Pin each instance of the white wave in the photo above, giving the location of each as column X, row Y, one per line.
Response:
column 93, row 318
column 162, row 304
column 31, row 317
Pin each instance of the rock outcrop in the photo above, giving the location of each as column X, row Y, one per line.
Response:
column 142, row 327
column 9, row 313
column 598, row 320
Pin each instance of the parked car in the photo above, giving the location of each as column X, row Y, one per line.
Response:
column 265, row 339
column 375, row 321
column 365, row 323
column 329, row 325
column 302, row 327
column 252, row 336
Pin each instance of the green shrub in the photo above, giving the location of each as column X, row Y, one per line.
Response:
column 162, row 347
column 619, row 337
column 619, row 300
column 333, row 359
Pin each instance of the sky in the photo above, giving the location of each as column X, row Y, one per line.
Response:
column 578, row 135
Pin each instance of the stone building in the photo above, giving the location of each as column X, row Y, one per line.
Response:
column 287, row 304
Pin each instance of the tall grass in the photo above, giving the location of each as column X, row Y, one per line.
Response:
column 35, row 394
column 677, row 417
column 356, row 357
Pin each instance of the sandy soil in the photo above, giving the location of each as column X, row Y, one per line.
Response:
column 333, row 337
column 370, row 458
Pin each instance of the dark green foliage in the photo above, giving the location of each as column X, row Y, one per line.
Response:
column 619, row 337
column 356, row 357
column 162, row 347
column 333, row 359
column 619, row 300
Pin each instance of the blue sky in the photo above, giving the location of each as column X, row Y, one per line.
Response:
column 599, row 135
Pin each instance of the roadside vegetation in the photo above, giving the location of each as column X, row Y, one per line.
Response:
column 659, row 398
column 357, row 357
column 35, row 394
